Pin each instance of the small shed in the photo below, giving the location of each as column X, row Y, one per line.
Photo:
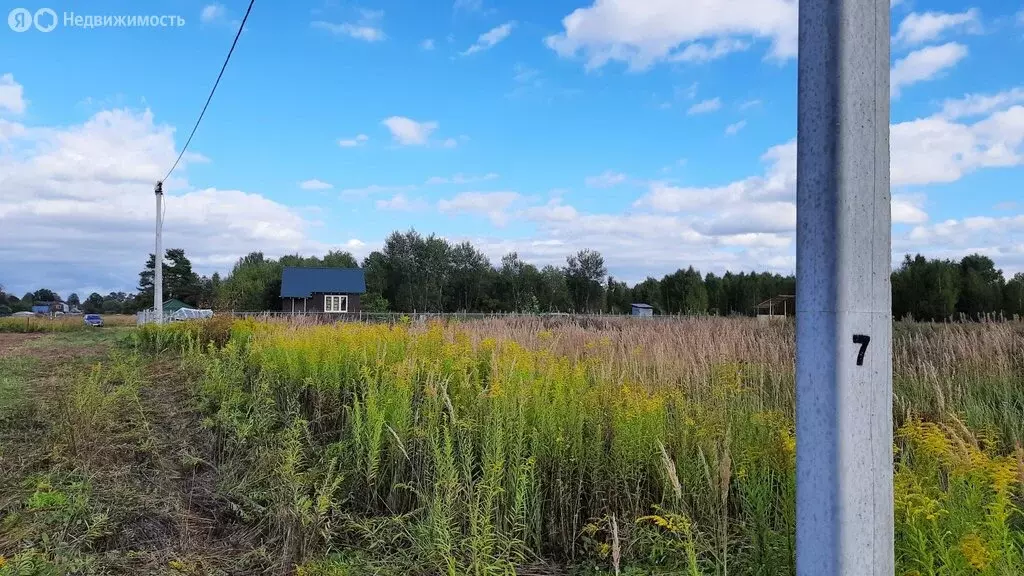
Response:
column 330, row 290
column 777, row 307
column 641, row 309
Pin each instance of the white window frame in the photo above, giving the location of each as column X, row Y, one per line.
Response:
column 336, row 303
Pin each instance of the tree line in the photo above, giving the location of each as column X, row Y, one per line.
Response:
column 417, row 273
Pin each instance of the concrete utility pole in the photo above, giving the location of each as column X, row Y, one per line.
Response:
column 158, row 257
column 844, row 301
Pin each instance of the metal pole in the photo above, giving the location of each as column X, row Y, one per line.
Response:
column 158, row 257
column 844, row 458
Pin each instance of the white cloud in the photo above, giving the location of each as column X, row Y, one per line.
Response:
column 644, row 32
column 450, row 143
column 315, row 184
column 751, row 218
column 494, row 205
column 778, row 184
column 491, row 38
column 634, row 243
column 427, row 44
column 735, row 127
column 980, row 104
column 408, row 132
column 553, row 211
column 83, row 215
column 359, row 140
column 12, row 96
column 606, row 179
column 924, row 151
column 10, row 130
column 996, row 237
column 366, row 29
column 401, row 203
column 958, row 231
column 908, row 209
column 212, row 13
column 699, row 53
column 705, row 106
column 938, row 150
column 918, row 28
column 461, row 179
column 750, row 104
column 924, row 64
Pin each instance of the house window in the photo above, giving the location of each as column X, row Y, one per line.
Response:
column 335, row 303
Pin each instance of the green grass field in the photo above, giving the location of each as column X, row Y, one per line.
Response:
column 515, row 446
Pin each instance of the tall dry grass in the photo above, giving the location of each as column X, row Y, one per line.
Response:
column 34, row 324
column 623, row 445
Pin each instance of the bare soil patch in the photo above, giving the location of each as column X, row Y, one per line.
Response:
column 12, row 343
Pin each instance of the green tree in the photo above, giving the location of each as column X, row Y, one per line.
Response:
column 617, row 297
column 93, row 304
column 254, row 284
column 718, row 302
column 649, row 292
column 584, row 275
column 1013, row 296
column 45, row 295
column 683, row 292
column 338, row 259
column 518, row 283
column 553, row 290
column 981, row 286
column 469, row 278
column 925, row 289
column 73, row 300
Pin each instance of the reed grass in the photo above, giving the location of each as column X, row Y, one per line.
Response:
column 623, row 446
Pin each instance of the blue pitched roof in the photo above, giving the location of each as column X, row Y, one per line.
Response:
column 303, row 282
column 641, row 305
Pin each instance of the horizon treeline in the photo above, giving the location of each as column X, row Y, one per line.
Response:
column 417, row 273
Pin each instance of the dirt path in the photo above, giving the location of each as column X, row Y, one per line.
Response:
column 146, row 470
column 197, row 529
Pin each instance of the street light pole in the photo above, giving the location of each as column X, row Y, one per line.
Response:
column 844, row 299
column 158, row 257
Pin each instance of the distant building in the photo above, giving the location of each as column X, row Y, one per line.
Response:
column 777, row 307
column 322, row 290
column 640, row 309
column 50, row 308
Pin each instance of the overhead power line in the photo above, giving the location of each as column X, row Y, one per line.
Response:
column 214, row 89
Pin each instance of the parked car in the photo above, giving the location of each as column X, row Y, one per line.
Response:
column 93, row 319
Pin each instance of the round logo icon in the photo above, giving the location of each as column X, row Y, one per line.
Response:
column 21, row 20
column 42, row 23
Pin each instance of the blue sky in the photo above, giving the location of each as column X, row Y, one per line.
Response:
column 659, row 132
